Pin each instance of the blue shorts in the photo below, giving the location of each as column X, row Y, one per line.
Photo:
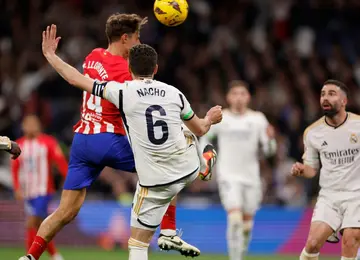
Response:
column 91, row 153
column 38, row 206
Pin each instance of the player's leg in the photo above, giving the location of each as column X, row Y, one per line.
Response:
column 252, row 196
column 232, row 201
column 39, row 211
column 326, row 219
column 84, row 168
column 149, row 207
column 169, row 239
column 350, row 243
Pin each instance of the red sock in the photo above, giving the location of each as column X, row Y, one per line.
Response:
column 51, row 248
column 30, row 235
column 38, row 247
column 169, row 219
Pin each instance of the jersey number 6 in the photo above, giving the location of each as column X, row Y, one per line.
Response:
column 150, row 124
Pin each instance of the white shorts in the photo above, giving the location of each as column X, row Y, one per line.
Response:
column 236, row 195
column 150, row 204
column 339, row 210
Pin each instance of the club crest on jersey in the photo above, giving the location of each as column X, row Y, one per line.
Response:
column 353, row 138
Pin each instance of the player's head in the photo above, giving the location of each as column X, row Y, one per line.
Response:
column 31, row 126
column 238, row 96
column 333, row 97
column 124, row 29
column 143, row 61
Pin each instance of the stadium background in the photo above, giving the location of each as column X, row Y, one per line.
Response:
column 285, row 49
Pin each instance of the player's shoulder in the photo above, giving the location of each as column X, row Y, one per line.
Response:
column 317, row 125
column 48, row 139
column 20, row 140
column 354, row 117
column 95, row 53
column 256, row 115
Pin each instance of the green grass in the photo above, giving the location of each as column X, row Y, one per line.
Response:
column 98, row 254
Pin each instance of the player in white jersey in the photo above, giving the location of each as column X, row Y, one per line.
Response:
column 240, row 135
column 153, row 113
column 10, row 146
column 332, row 146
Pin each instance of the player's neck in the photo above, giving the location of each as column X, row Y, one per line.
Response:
column 118, row 49
column 239, row 111
column 338, row 119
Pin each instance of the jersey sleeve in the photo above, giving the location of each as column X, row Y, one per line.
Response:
column 15, row 167
column 186, row 111
column 268, row 145
column 111, row 91
column 311, row 154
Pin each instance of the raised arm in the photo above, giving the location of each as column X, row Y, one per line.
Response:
column 69, row 73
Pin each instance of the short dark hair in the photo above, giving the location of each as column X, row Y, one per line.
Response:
column 143, row 60
column 118, row 24
column 339, row 84
column 238, row 83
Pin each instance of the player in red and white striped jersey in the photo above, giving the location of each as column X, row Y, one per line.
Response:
column 32, row 176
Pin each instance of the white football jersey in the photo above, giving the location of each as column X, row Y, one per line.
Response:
column 240, row 138
column 336, row 151
column 153, row 113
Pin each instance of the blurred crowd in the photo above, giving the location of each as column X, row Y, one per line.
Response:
column 285, row 50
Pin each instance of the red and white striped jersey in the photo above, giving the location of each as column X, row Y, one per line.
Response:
column 32, row 170
column 99, row 115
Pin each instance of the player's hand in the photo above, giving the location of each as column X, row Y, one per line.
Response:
column 297, row 169
column 215, row 114
column 270, row 131
column 49, row 40
column 19, row 196
column 15, row 150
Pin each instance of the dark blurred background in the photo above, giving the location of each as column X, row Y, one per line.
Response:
column 285, row 49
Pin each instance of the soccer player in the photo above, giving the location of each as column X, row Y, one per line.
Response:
column 32, row 177
column 153, row 113
column 332, row 146
column 101, row 124
column 10, row 146
column 239, row 137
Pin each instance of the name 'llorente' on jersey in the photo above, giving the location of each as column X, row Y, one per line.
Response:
column 153, row 113
column 337, row 151
column 240, row 138
column 99, row 115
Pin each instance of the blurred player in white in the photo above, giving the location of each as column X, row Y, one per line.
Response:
column 240, row 136
column 153, row 113
column 332, row 145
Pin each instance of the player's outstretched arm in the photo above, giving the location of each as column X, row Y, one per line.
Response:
column 201, row 126
column 69, row 73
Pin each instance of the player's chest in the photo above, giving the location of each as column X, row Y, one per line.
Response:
column 239, row 128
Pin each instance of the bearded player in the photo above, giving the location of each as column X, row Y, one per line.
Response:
column 101, row 126
column 332, row 146
column 33, row 181
column 241, row 136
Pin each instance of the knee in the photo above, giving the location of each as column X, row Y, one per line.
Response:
column 313, row 245
column 351, row 239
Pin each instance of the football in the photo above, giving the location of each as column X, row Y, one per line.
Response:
column 171, row 12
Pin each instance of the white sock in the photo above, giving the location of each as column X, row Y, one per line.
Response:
column 138, row 250
column 306, row 256
column 57, row 257
column 248, row 225
column 348, row 258
column 168, row 232
column 235, row 236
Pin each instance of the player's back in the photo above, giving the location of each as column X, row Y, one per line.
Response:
column 338, row 151
column 99, row 115
column 34, row 165
column 153, row 113
column 239, row 139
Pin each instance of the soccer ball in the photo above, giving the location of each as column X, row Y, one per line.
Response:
column 171, row 12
